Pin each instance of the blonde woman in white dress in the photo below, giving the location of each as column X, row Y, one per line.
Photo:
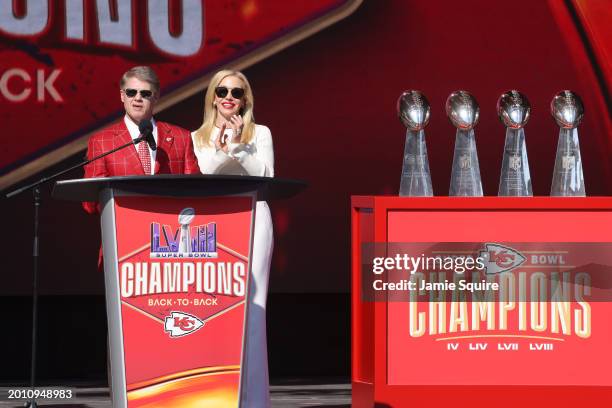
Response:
column 229, row 142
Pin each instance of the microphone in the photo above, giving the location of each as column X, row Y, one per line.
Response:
column 146, row 130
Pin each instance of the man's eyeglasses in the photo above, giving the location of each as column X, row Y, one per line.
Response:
column 221, row 92
column 145, row 93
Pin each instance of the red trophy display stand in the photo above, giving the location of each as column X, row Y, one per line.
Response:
column 177, row 259
column 507, row 364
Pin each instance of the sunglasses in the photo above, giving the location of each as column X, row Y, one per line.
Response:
column 130, row 93
column 221, row 92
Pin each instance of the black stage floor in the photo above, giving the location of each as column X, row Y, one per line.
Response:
column 290, row 394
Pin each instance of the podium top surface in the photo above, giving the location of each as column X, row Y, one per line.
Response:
column 173, row 185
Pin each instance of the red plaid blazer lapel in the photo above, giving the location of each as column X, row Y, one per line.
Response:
column 165, row 139
column 133, row 164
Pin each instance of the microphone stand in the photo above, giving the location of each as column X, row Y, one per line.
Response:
column 35, row 254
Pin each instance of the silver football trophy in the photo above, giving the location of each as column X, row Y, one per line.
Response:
column 513, row 109
column 413, row 110
column 463, row 111
column 185, row 218
column 568, row 180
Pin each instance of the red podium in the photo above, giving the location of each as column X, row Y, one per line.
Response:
column 525, row 353
column 177, row 253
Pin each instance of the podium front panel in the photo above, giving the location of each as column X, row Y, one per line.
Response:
column 176, row 273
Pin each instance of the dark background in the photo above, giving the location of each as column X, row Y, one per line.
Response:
column 330, row 104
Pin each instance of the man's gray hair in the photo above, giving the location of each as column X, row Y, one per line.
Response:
column 143, row 73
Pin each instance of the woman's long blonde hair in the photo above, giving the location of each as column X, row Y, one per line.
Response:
column 203, row 134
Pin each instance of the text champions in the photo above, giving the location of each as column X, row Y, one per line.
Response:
column 538, row 302
column 153, row 278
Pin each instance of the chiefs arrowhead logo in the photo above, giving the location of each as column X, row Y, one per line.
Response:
column 498, row 258
column 180, row 324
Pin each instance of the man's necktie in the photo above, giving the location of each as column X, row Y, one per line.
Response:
column 145, row 157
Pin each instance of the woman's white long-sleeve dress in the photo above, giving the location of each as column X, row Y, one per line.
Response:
column 254, row 159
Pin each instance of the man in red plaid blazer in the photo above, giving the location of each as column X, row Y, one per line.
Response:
column 174, row 154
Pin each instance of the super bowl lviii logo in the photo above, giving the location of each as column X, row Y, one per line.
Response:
column 185, row 241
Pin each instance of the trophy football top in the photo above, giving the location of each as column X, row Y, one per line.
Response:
column 413, row 110
column 186, row 216
column 462, row 110
column 567, row 109
column 513, row 109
